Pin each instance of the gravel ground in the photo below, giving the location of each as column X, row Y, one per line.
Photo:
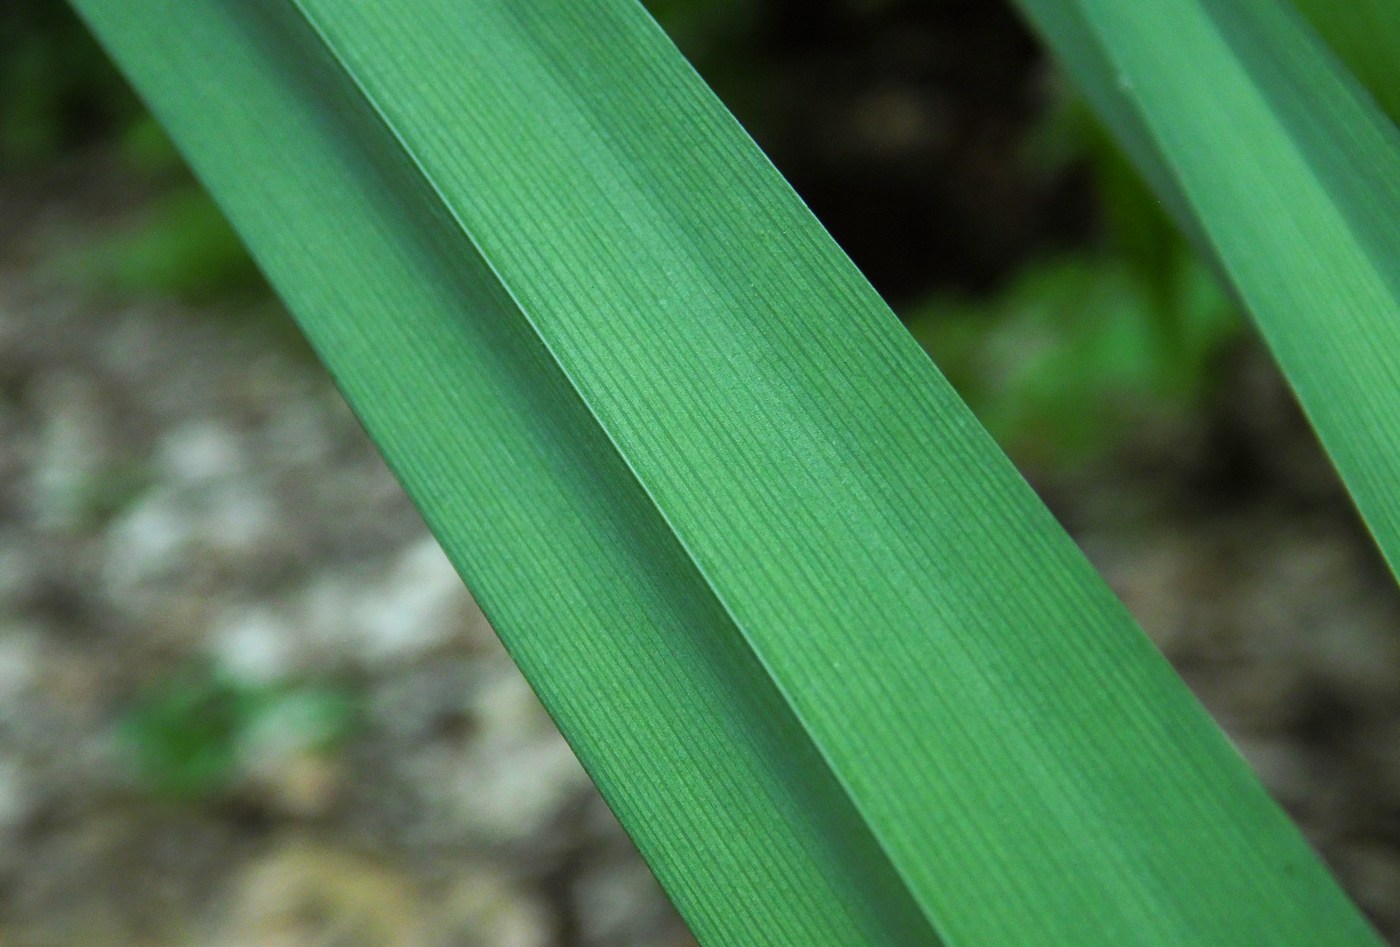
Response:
column 193, row 528
column 187, row 502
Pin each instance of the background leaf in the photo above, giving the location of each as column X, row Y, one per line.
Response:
column 1245, row 124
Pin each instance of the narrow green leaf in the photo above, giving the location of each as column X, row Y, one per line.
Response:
column 1290, row 178
column 1366, row 35
column 837, row 669
column 665, row 705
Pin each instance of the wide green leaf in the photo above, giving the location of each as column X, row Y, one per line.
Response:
column 829, row 658
column 594, row 598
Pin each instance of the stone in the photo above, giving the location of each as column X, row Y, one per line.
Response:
column 420, row 605
column 484, row 906
column 254, row 644
column 306, row 892
column 152, row 538
column 201, row 451
column 618, row 902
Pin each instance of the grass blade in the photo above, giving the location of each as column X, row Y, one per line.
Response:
column 1289, row 176
column 833, row 663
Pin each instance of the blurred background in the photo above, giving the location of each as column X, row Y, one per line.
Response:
column 245, row 701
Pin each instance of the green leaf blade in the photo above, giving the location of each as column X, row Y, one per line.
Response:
column 1291, row 181
column 887, row 447
column 716, row 500
column 630, row 654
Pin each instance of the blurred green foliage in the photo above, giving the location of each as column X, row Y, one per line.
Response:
column 179, row 244
column 1077, row 353
column 194, row 733
column 60, row 95
column 57, row 89
column 1364, row 34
